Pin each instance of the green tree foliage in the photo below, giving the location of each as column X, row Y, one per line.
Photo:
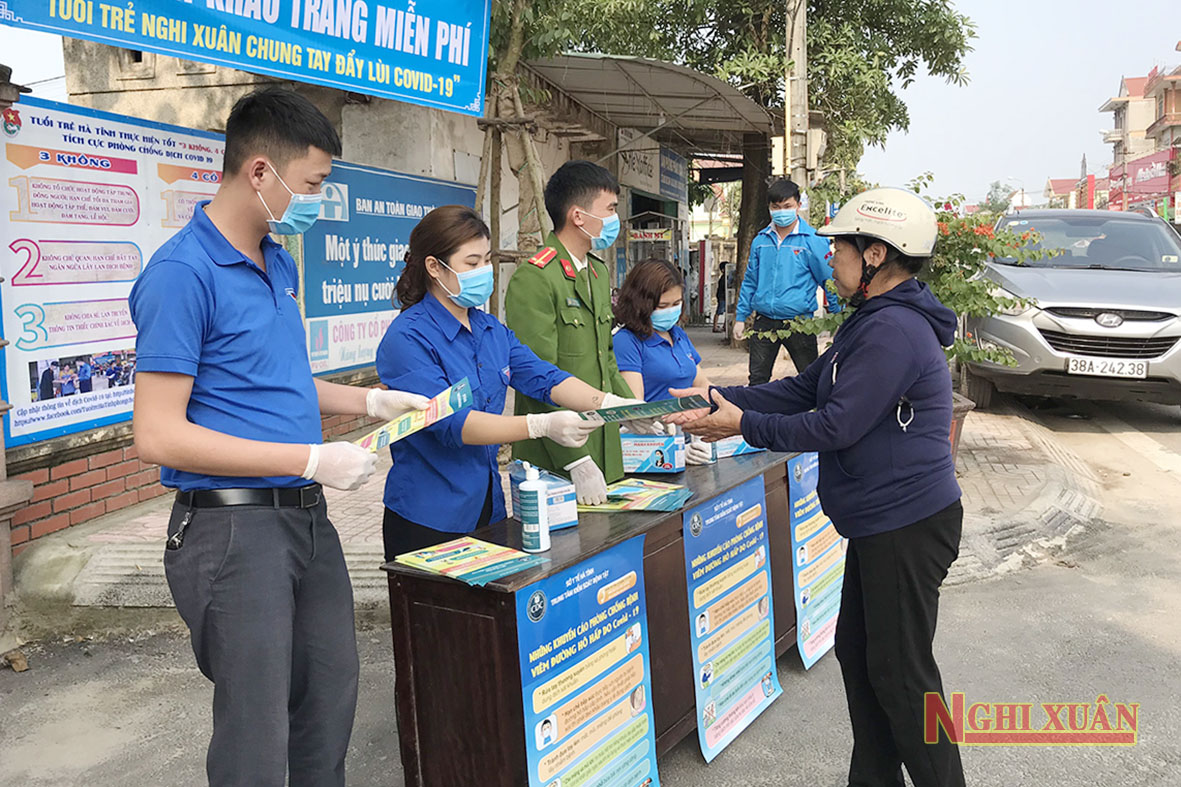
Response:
column 998, row 198
column 859, row 53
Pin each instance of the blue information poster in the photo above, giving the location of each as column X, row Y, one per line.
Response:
column 353, row 256
column 583, row 639
column 730, row 616
column 818, row 562
column 432, row 52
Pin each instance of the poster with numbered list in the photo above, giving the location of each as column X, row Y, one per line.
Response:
column 585, row 674
column 731, row 616
column 818, row 562
column 89, row 197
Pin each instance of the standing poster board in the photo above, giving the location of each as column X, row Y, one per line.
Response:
column 730, row 613
column 818, row 562
column 585, row 674
column 353, row 256
column 89, row 197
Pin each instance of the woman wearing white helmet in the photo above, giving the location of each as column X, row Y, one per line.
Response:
column 877, row 408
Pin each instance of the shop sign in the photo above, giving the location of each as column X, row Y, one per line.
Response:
column 639, row 161
column 665, row 234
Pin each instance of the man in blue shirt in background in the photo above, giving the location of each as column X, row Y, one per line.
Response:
column 788, row 261
column 84, row 375
column 227, row 404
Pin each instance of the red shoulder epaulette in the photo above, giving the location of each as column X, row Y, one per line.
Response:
column 543, row 257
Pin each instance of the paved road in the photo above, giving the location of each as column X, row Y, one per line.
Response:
column 1102, row 621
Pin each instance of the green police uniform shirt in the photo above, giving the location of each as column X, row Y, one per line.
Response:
column 564, row 315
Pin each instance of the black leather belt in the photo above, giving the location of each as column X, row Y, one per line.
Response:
column 301, row 497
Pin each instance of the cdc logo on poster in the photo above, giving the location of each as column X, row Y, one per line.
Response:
column 536, row 606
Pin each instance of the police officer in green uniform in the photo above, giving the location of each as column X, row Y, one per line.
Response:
column 559, row 304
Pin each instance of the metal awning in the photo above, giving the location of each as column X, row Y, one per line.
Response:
column 681, row 107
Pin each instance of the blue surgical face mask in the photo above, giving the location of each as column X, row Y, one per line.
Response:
column 301, row 213
column 664, row 319
column 475, row 286
column 607, row 235
column 784, row 217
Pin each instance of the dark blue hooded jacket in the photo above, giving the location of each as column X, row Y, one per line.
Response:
column 886, row 368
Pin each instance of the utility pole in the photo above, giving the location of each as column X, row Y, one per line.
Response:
column 795, row 147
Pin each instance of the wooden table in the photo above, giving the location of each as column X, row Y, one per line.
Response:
column 458, row 681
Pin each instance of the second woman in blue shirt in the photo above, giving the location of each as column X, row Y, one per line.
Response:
column 653, row 352
column 445, row 480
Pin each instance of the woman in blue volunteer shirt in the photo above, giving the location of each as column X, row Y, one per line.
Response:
column 445, row 480
column 653, row 352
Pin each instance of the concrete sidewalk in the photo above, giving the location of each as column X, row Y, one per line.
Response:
column 1025, row 497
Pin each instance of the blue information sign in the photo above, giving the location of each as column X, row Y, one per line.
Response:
column 431, row 52
column 732, row 624
column 817, row 559
column 583, row 639
column 353, row 256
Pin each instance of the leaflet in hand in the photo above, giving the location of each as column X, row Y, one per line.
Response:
column 634, row 412
column 447, row 403
column 470, row 560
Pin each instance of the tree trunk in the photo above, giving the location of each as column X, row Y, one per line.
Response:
column 752, row 213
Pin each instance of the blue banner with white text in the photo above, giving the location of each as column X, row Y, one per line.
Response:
column 353, row 256
column 585, row 674
column 428, row 52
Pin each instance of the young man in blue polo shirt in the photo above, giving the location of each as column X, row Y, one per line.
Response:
column 225, row 401
column 788, row 261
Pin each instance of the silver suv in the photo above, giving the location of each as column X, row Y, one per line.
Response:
column 1105, row 322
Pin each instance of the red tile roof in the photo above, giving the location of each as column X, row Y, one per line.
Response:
column 1063, row 185
column 1135, row 86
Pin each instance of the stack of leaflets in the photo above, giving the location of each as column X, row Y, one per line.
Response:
column 639, row 494
column 470, row 560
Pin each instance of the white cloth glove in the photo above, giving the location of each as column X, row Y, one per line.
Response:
column 388, row 405
column 564, row 427
column 340, row 465
column 698, row 452
column 739, row 330
column 589, row 483
column 639, row 426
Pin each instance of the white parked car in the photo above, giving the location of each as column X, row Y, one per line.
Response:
column 1105, row 324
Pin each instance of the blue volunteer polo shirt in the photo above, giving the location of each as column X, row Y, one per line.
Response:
column 437, row 481
column 662, row 365
column 204, row 310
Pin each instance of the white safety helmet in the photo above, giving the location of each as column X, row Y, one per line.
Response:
column 894, row 216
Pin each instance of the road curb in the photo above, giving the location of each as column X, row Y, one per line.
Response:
column 1044, row 525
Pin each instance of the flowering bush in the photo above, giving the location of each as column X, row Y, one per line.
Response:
column 966, row 243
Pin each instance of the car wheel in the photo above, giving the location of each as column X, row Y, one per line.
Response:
column 978, row 389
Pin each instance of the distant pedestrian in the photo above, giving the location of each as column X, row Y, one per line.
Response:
column 720, row 312
column 787, row 263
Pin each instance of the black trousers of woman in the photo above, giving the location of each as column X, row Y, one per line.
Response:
column 401, row 535
column 884, row 635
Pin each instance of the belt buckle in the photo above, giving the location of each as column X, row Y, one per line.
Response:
column 312, row 492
